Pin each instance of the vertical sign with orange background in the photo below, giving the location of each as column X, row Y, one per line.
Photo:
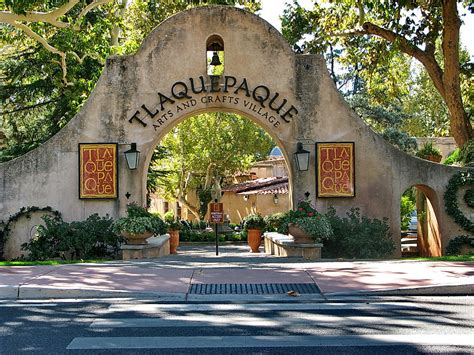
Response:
column 98, row 170
column 335, row 162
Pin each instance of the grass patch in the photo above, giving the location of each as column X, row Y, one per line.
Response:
column 446, row 258
column 49, row 262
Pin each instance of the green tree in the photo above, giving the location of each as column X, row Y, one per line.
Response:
column 205, row 149
column 375, row 32
column 53, row 52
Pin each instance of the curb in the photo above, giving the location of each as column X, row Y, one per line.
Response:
column 25, row 293
column 440, row 290
column 9, row 292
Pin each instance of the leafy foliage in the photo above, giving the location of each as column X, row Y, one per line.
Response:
column 428, row 149
column 374, row 42
column 453, row 158
column 357, row 236
column 459, row 179
column 204, row 149
column 40, row 89
column 466, row 154
column 171, row 221
column 23, row 212
column 92, row 238
column 407, row 206
column 306, row 218
column 139, row 221
column 455, row 244
column 254, row 221
column 469, row 198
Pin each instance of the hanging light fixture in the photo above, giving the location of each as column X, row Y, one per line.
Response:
column 132, row 156
column 275, row 199
column 301, row 157
column 246, row 197
column 215, row 61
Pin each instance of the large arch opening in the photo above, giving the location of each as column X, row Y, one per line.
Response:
column 217, row 150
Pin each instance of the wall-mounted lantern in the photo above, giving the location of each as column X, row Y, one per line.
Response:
column 301, row 157
column 132, row 156
column 246, row 197
column 275, row 199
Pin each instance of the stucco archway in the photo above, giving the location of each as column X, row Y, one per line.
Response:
column 140, row 97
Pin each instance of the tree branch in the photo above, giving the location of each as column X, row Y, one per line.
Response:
column 49, row 17
column 47, row 46
column 429, row 62
column 90, row 7
column 360, row 6
column 27, row 107
column 52, row 18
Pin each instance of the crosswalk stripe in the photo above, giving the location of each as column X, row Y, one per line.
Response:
column 90, row 343
column 200, row 320
column 152, row 308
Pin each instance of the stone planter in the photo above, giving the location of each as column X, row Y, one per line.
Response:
column 134, row 239
column 299, row 235
column 174, row 240
column 254, row 238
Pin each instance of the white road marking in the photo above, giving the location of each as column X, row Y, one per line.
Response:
column 90, row 343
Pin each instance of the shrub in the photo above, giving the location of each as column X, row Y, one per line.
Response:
column 407, row 205
column 197, row 236
column 275, row 221
column 455, row 244
column 357, row 236
column 466, row 154
column 453, row 158
column 89, row 239
column 139, row 221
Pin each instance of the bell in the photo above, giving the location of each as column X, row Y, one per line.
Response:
column 215, row 59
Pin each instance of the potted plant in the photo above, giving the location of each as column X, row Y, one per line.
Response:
column 429, row 152
column 174, row 226
column 305, row 224
column 254, row 224
column 139, row 225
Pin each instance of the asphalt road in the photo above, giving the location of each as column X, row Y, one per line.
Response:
column 407, row 325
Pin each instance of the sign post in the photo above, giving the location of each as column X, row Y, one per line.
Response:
column 217, row 217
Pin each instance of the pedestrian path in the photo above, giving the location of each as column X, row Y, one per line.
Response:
column 196, row 274
column 178, row 327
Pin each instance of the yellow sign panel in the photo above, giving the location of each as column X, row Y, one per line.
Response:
column 335, row 164
column 98, row 170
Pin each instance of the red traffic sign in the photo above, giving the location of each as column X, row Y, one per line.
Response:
column 217, row 212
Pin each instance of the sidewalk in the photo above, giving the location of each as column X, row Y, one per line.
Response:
column 170, row 278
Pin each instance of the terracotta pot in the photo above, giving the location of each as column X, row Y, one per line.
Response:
column 433, row 158
column 254, row 238
column 136, row 238
column 298, row 234
column 174, row 240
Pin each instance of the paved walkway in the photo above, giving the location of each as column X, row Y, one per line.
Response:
column 170, row 277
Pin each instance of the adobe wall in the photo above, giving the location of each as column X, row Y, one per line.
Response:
column 139, row 98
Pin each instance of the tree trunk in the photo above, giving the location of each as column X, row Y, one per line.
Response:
column 461, row 128
column 446, row 81
column 194, row 210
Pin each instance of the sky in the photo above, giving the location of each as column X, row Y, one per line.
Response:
column 272, row 9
